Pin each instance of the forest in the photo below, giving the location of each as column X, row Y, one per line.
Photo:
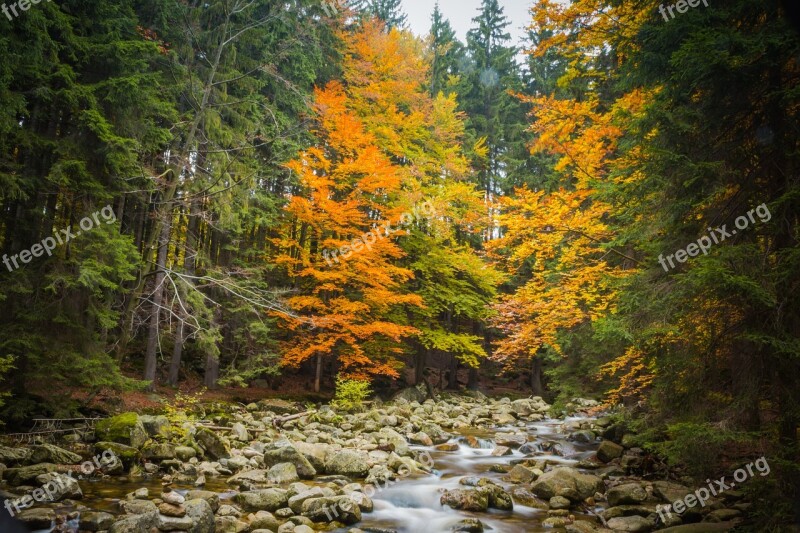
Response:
column 213, row 204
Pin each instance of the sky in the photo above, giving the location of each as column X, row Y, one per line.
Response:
column 461, row 13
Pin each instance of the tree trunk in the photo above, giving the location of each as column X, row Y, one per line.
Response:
column 452, row 381
column 472, row 384
column 177, row 352
column 150, row 359
column 536, row 377
column 318, row 376
column 212, row 371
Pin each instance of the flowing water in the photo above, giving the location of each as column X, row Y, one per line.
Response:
column 411, row 505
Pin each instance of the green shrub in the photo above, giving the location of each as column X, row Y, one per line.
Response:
column 350, row 393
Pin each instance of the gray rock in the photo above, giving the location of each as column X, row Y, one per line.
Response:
column 92, row 521
column 347, row 463
column 229, row 524
column 184, row 453
column 156, row 426
column 465, row 500
column 47, row 453
column 635, row 524
column 39, row 518
column 174, row 523
column 284, row 452
column 263, row 500
column 212, row 498
column 264, row 520
column 136, row 523
column 339, row 508
column 200, row 512
column 567, row 482
column 282, row 473
column 211, row 443
column 296, row 502
column 629, row 493
column 609, row 451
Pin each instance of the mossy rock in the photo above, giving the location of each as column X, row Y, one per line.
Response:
column 127, row 454
column 126, row 429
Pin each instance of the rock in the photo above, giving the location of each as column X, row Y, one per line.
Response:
column 282, row 473
column 156, row 426
column 559, row 502
column 14, row 456
column 567, row 482
column 631, row 523
column 447, row 447
column 586, row 436
column 465, row 500
column 435, row 432
column 510, row 440
column 521, row 407
column 66, row 486
column 124, row 429
column 173, row 497
column 347, row 463
column 609, row 451
column 92, row 521
column 138, row 507
column 523, row 496
column 127, row 455
column 174, row 523
column 504, row 419
column 239, row 432
column 421, row 438
column 284, row 452
column 200, row 512
column 212, row 498
column 184, row 453
column 168, row 509
column 159, row 452
column 279, row 407
column 629, row 493
column 498, row 498
column 229, row 524
column 412, row 394
column 264, row 520
column 723, row 515
column 257, row 476
column 521, row 474
column 136, row 523
column 468, row 525
column 669, row 492
column 296, row 501
column 263, row 500
column 211, row 443
column 397, row 441
column 47, row 453
column 339, row 508
column 501, row 451
column 38, row 518
column 705, row 527
column 554, row 522
column 25, row 475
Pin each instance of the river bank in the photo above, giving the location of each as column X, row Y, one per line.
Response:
column 462, row 463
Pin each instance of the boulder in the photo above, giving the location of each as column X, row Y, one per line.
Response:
column 199, row 510
column 465, row 500
column 282, row 473
column 37, row 519
column 47, row 453
column 25, row 475
column 339, row 508
column 135, row 523
column 629, row 493
column 213, row 445
column 608, row 451
column 635, row 524
column 263, row 500
column 157, row 426
column 93, row 521
column 127, row 455
column 285, row 452
column 124, row 429
column 567, row 482
column 347, row 463
column 14, row 456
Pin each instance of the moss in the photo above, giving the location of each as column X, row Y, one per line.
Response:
column 124, row 429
